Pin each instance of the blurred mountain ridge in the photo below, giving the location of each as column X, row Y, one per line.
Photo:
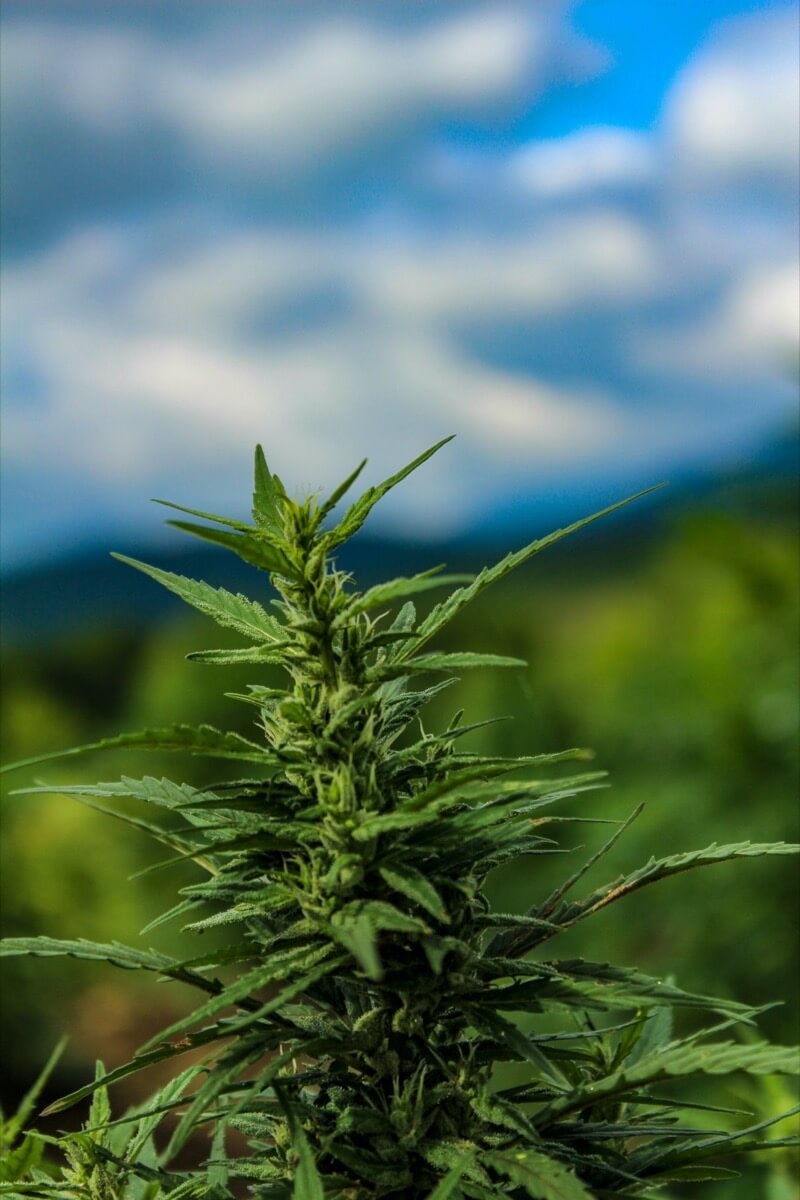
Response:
column 88, row 588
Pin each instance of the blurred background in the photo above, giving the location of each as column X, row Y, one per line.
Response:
column 566, row 233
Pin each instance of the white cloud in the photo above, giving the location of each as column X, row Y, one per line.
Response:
column 283, row 95
column 167, row 345
column 753, row 331
column 592, row 159
column 129, row 395
column 564, row 264
column 343, row 81
column 222, row 285
column 734, row 113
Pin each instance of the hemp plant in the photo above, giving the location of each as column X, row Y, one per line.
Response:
column 352, row 1024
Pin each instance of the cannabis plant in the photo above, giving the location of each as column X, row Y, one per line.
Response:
column 352, row 1023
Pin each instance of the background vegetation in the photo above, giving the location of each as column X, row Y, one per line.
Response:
column 671, row 650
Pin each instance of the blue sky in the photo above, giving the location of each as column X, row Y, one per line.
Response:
column 565, row 232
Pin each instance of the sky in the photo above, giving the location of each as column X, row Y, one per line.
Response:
column 566, row 233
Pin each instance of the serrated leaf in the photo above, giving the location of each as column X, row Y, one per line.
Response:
column 542, row 1177
column 396, row 589
column 231, row 610
column 100, row 1108
column 11, row 1126
column 328, row 505
column 677, row 1061
column 252, row 549
column 161, row 792
column 163, row 1101
column 488, row 1020
column 448, row 1185
column 217, row 1168
column 18, row 1162
column 415, row 886
column 307, row 1182
column 497, row 1111
column 278, row 967
column 443, row 662
column 196, row 512
column 199, row 739
column 265, row 654
column 695, row 1174
column 357, row 925
column 663, row 868
column 443, row 613
column 265, row 495
column 204, row 1037
column 297, row 987
column 388, row 822
column 453, row 1152
column 627, row 986
column 115, row 954
column 694, row 1150
column 460, row 779
column 358, row 512
column 236, row 1059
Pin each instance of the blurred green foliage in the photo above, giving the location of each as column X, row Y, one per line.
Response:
column 679, row 665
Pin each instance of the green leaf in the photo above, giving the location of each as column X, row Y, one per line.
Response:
column 12, row 1126
column 163, row 1101
column 497, row 1111
column 214, row 1033
column 396, row 589
column 695, row 1174
column 448, row 1185
column 552, row 900
column 677, row 1061
column 200, row 739
column 693, row 1150
column 453, row 1152
column 460, row 779
column 161, row 792
column 278, row 967
column 624, row 986
column 218, row 1160
column 441, row 662
column 19, row 1162
column 252, row 549
column 236, row 1059
column 415, row 886
column 339, row 491
column 487, row 1020
column 196, row 512
column 286, row 995
column 358, row 512
column 307, row 1182
column 100, row 1108
column 113, row 953
column 443, row 613
column 459, row 662
column 251, row 654
column 232, row 611
column 389, row 822
column 663, row 868
column 541, row 1176
column 265, row 495
column 357, row 926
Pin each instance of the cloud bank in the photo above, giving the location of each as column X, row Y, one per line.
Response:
column 319, row 229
